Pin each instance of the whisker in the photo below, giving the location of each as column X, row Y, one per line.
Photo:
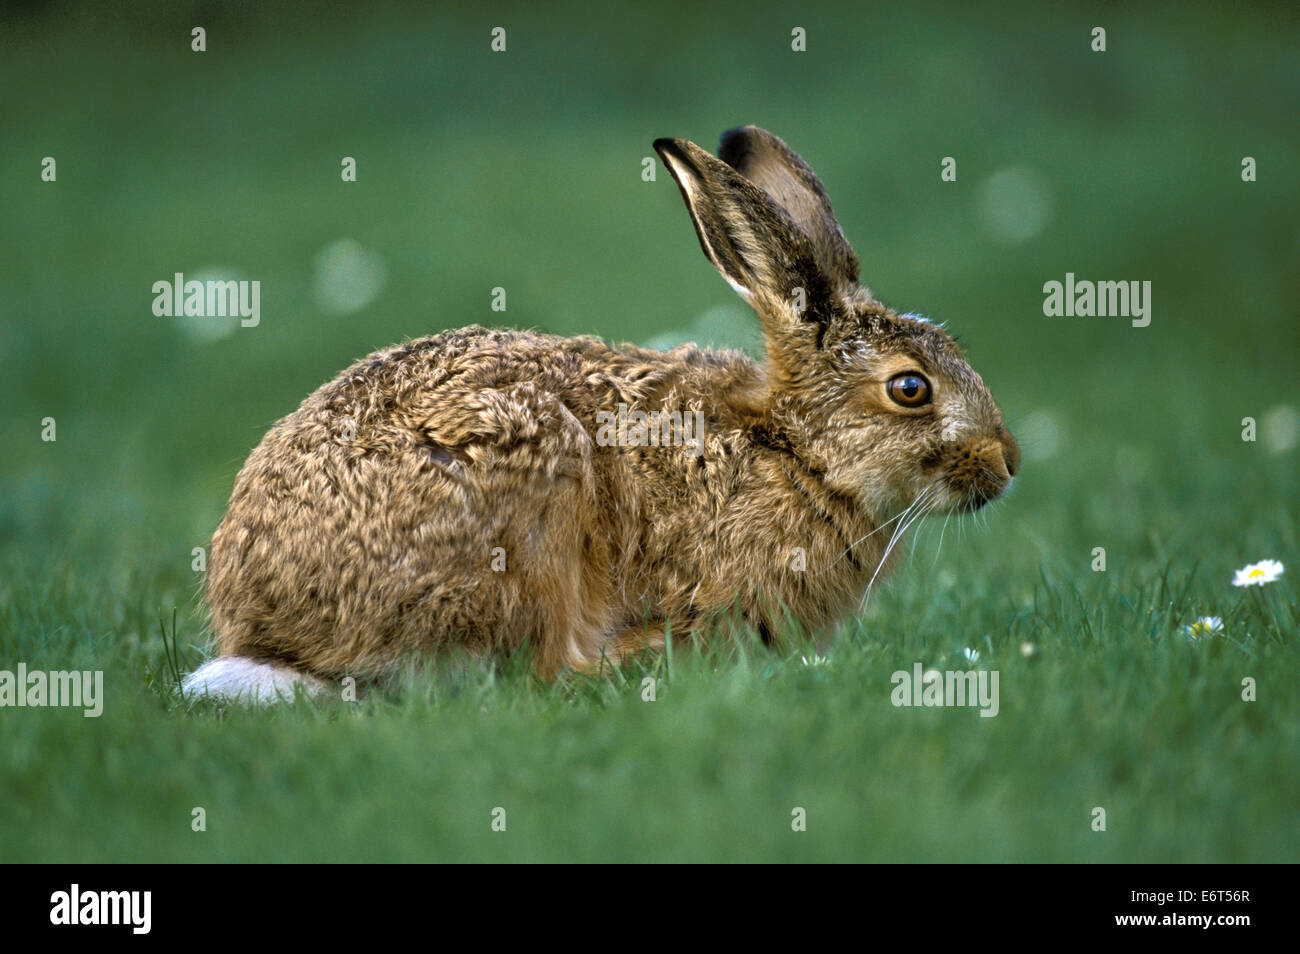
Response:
column 919, row 508
column 865, row 535
column 942, row 531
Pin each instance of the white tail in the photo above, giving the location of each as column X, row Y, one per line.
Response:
column 240, row 679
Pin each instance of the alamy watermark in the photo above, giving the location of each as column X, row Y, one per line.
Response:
column 932, row 688
column 1086, row 299
column 635, row 428
column 55, row 688
column 208, row 299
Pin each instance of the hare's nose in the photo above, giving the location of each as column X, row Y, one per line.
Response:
column 1010, row 452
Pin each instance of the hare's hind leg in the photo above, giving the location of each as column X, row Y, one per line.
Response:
column 546, row 573
column 468, row 523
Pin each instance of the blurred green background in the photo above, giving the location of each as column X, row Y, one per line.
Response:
column 523, row 170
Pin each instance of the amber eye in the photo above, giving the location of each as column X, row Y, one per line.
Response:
column 909, row 390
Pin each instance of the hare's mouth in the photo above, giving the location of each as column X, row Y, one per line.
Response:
column 976, row 492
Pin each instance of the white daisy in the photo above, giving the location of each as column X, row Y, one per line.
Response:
column 1257, row 574
column 1205, row 626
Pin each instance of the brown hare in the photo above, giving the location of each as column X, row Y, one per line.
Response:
column 469, row 490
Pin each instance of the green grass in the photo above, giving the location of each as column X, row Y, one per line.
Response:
column 525, row 172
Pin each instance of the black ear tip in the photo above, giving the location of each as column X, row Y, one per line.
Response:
column 734, row 136
column 736, row 143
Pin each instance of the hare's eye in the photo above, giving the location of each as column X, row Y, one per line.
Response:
column 909, row 390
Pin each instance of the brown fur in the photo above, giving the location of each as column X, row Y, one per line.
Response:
column 361, row 530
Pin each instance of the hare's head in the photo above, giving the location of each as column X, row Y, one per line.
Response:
column 883, row 405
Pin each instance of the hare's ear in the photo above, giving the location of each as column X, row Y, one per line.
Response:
column 778, row 170
column 754, row 243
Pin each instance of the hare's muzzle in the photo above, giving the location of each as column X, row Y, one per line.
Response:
column 983, row 470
